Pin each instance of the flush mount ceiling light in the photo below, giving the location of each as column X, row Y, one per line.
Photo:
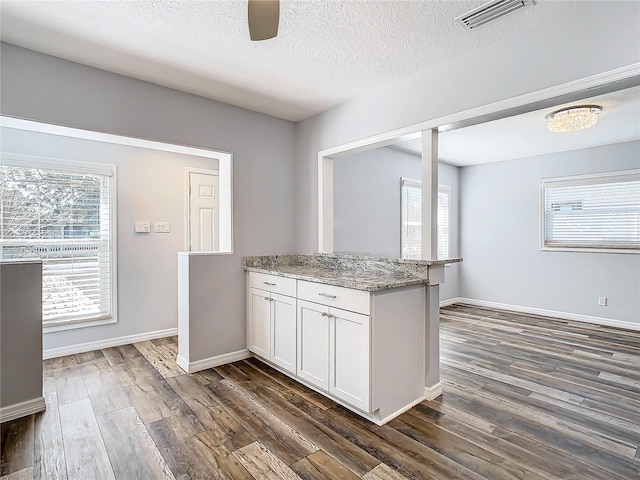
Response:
column 572, row 119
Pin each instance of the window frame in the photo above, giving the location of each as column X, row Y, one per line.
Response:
column 442, row 188
column 89, row 168
column 580, row 180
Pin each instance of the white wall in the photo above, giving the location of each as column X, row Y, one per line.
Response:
column 366, row 204
column 500, row 223
column 535, row 58
column 47, row 89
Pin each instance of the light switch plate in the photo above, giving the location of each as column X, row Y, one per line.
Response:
column 142, row 227
column 162, row 227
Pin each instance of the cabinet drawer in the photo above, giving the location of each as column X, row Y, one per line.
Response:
column 273, row 283
column 340, row 297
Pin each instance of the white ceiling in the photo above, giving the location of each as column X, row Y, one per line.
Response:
column 326, row 52
column 527, row 135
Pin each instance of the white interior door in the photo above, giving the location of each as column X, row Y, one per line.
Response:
column 204, row 222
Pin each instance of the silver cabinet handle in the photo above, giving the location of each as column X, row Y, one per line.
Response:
column 327, row 295
column 324, row 314
column 267, row 283
column 267, row 298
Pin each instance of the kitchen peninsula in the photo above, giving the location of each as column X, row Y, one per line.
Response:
column 353, row 328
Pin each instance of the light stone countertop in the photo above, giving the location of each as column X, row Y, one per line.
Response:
column 357, row 272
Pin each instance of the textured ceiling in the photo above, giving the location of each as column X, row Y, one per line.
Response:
column 326, row 51
column 527, row 135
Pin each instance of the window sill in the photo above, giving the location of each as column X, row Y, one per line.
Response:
column 591, row 250
column 74, row 324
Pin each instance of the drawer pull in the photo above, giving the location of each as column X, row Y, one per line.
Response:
column 325, row 314
column 267, row 298
column 327, row 295
column 268, row 283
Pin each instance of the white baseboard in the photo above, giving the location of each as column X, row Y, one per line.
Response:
column 192, row 367
column 22, row 409
column 182, row 363
column 449, row 301
column 398, row 412
column 552, row 313
column 433, row 392
column 109, row 342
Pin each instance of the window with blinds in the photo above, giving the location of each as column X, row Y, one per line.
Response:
column 411, row 220
column 596, row 212
column 444, row 194
column 62, row 213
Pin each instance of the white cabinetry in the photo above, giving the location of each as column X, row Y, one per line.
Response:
column 349, row 365
column 259, row 325
column 271, row 326
column 334, row 343
column 283, row 327
column 313, row 343
column 364, row 350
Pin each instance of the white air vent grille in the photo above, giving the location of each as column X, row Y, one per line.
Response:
column 490, row 11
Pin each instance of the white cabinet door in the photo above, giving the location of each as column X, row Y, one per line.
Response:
column 283, row 325
column 349, row 375
column 260, row 322
column 313, row 343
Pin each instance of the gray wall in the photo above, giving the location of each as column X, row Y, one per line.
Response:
column 516, row 65
column 48, row 89
column 366, row 200
column 500, row 239
column 366, row 205
column 450, row 175
column 21, row 332
column 211, row 339
column 150, row 187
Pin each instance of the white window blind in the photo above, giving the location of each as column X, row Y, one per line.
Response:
column 411, row 220
column 592, row 212
column 444, row 193
column 63, row 215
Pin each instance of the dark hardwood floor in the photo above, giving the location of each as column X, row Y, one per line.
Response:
column 525, row 397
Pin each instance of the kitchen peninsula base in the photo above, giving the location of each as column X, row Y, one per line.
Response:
column 351, row 328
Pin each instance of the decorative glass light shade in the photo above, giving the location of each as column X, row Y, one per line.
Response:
column 572, row 119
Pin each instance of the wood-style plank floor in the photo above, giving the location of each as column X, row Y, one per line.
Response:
column 525, row 397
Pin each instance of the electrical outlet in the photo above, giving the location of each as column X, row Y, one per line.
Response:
column 602, row 301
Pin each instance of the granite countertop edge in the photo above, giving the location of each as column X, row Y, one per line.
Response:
column 333, row 278
column 358, row 272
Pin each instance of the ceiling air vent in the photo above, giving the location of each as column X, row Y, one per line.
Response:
column 491, row 11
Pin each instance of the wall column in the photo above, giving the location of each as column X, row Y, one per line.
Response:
column 433, row 387
column 429, row 194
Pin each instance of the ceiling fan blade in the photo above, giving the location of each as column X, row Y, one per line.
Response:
column 264, row 16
